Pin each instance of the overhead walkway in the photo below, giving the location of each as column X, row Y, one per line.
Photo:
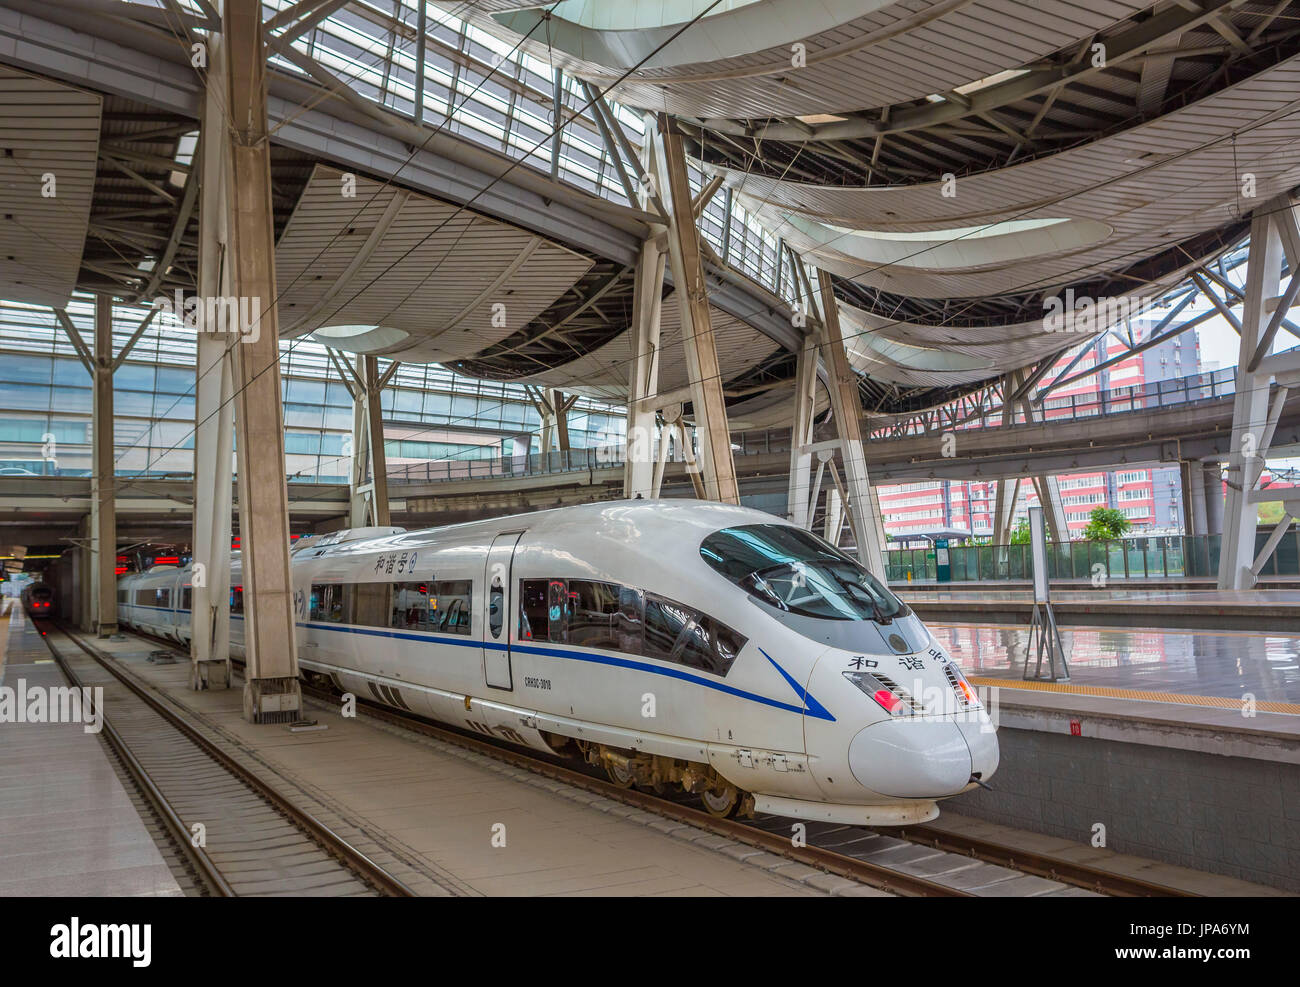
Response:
column 1166, row 422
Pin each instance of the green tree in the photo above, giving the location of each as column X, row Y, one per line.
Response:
column 1020, row 533
column 1106, row 524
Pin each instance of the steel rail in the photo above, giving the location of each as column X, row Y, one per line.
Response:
column 198, row 856
column 333, row 843
column 1080, row 875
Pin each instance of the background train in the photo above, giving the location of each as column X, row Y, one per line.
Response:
column 681, row 643
column 38, row 601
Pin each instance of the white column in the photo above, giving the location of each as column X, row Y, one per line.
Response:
column 846, row 408
column 703, row 370
column 800, row 493
column 1250, row 405
column 643, row 371
column 214, row 409
column 369, row 475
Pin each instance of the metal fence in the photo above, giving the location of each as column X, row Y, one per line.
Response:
column 504, row 467
column 1075, row 407
column 1152, row 557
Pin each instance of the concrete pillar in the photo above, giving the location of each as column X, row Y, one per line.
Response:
column 1192, row 478
column 1250, row 403
column 1212, row 476
column 846, row 408
column 560, row 411
column 800, row 493
column 704, row 373
column 833, row 524
column 271, row 690
column 1004, row 509
column 84, row 556
column 214, row 407
column 1046, row 486
column 103, row 511
column 643, row 370
column 369, row 475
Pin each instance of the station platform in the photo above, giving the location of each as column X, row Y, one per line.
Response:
column 1191, row 609
column 67, row 825
column 1183, row 746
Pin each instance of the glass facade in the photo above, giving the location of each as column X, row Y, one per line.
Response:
column 430, row 414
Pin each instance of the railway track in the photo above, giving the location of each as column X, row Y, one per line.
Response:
column 842, row 850
column 254, row 840
column 1080, row 875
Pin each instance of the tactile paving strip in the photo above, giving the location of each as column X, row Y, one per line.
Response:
column 1109, row 692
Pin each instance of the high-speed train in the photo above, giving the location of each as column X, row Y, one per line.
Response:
column 38, row 601
column 674, row 642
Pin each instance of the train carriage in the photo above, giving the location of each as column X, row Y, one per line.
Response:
column 673, row 642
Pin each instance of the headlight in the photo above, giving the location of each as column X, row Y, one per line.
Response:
column 888, row 694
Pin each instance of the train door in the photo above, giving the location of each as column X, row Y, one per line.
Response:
column 498, row 605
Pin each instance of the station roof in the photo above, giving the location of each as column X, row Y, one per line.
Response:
column 951, row 163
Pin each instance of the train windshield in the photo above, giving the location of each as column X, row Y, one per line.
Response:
column 795, row 571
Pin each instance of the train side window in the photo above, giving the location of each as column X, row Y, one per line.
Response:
column 557, row 610
column 668, row 627
column 366, row 604
column 162, row 598
column 187, row 598
column 629, row 628
column 413, row 607
column 452, row 606
column 124, row 596
column 533, row 622
column 236, row 599
column 144, row 597
column 726, row 643
column 327, row 603
column 680, row 634
column 593, row 614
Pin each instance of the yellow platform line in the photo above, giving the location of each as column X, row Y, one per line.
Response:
column 1108, row 692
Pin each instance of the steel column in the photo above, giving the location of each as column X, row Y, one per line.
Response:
column 271, row 690
column 103, row 517
column 798, row 507
column 1250, row 403
column 214, row 409
column 703, row 370
column 369, row 473
column 846, row 407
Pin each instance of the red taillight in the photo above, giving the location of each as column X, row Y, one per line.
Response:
column 887, row 700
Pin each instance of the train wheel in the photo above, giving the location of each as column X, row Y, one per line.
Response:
column 722, row 801
column 620, row 776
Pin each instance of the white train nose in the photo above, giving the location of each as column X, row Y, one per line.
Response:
column 982, row 740
column 912, row 758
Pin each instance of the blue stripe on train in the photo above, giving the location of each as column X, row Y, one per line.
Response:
column 811, row 706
